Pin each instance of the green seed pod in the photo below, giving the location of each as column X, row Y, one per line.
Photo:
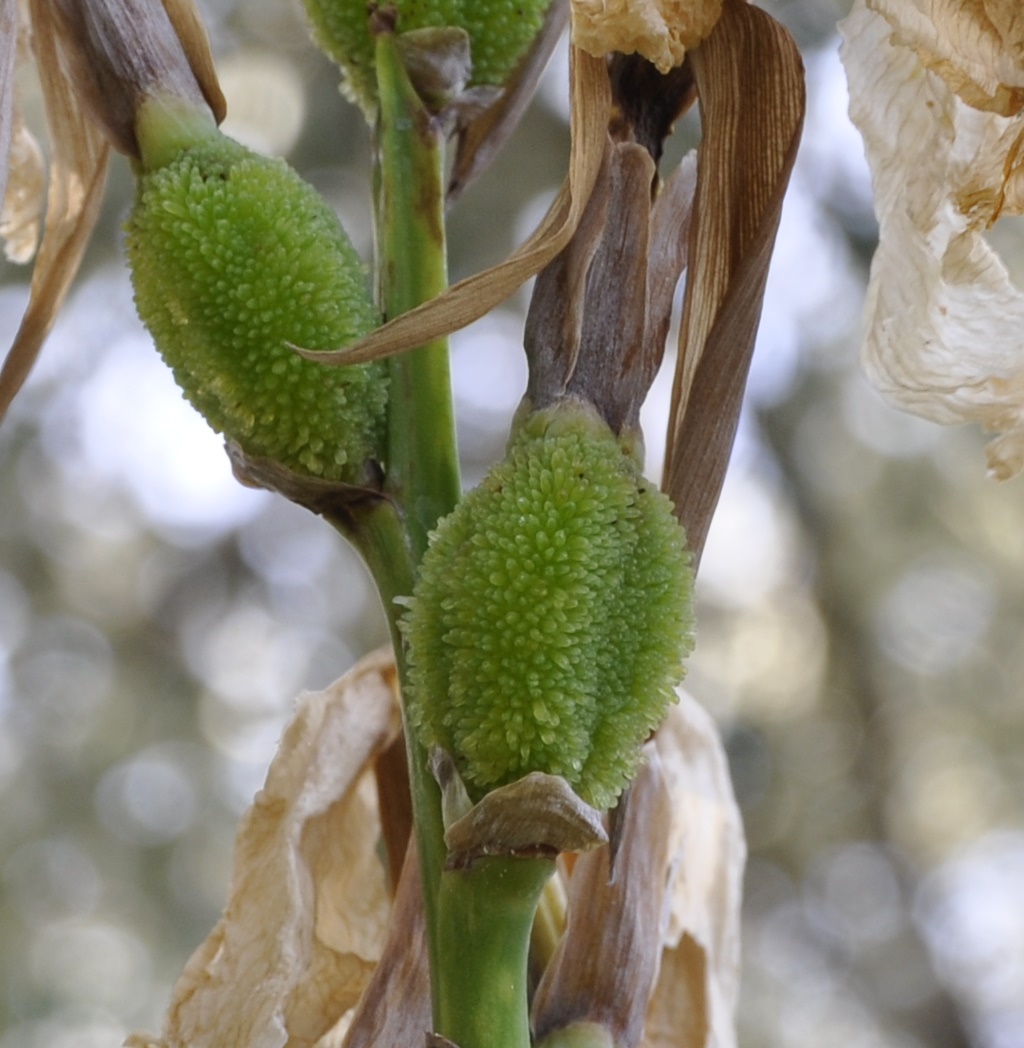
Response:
column 500, row 31
column 233, row 257
column 552, row 614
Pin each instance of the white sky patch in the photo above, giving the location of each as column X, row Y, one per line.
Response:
column 137, row 431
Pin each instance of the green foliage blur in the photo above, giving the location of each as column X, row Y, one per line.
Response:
column 860, row 614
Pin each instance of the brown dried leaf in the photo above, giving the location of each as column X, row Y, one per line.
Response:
column 750, row 84
column 77, row 174
column 660, row 30
column 306, row 917
column 942, row 318
column 8, row 62
column 470, row 299
column 120, row 53
column 976, row 46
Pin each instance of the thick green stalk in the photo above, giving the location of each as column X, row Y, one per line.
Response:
column 422, row 467
column 485, row 915
column 421, row 472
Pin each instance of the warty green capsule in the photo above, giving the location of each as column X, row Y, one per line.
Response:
column 234, row 258
column 552, row 614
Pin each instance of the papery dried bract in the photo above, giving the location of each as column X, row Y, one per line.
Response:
column 976, row 46
column 22, row 179
column 23, row 200
column 306, row 917
column 698, row 984
column 943, row 320
column 660, row 30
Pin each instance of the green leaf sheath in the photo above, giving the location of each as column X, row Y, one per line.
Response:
column 233, row 257
column 552, row 614
column 499, row 31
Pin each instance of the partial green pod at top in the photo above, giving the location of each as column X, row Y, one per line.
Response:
column 552, row 614
column 500, row 32
column 235, row 259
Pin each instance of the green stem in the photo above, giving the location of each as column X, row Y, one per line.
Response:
column 485, row 916
column 422, row 467
column 379, row 534
column 421, row 471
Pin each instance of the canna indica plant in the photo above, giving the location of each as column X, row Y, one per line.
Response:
column 540, row 622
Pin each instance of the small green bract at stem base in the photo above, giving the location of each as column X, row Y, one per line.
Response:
column 552, row 614
column 233, row 257
column 500, row 31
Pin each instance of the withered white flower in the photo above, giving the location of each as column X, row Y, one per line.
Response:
column 660, row 30
column 936, row 91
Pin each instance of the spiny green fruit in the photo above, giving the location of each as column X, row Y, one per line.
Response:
column 500, row 31
column 552, row 614
column 233, row 257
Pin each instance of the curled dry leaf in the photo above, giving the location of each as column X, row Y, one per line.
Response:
column 470, row 299
column 660, row 30
column 535, row 814
column 942, row 317
column 306, row 917
column 750, row 83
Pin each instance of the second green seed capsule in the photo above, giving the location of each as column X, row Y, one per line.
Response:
column 552, row 614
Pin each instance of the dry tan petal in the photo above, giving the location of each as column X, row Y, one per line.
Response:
column 660, row 30
column 306, row 916
column 694, row 1000
column 943, row 321
column 77, row 174
column 23, row 201
column 976, row 46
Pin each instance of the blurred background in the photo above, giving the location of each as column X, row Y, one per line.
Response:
column 860, row 640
